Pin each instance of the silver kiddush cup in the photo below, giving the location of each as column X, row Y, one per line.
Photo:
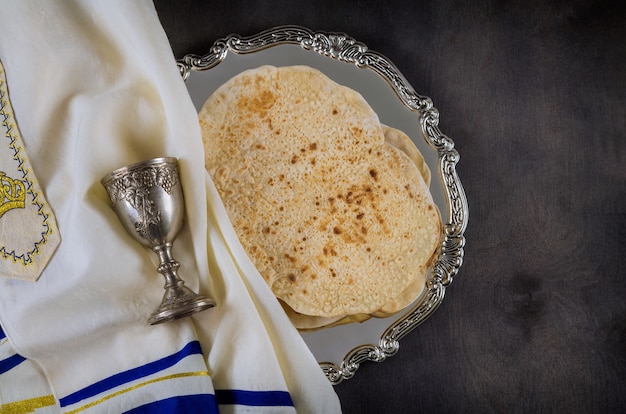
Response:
column 148, row 200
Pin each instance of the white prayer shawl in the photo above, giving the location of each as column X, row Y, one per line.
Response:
column 94, row 86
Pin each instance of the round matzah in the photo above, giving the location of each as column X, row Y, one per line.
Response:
column 335, row 219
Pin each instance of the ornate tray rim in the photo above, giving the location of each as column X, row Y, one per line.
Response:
column 339, row 46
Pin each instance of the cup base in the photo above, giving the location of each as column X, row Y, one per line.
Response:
column 173, row 308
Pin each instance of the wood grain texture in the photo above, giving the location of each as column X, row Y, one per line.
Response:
column 533, row 94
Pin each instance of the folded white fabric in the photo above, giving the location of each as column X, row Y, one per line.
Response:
column 94, row 86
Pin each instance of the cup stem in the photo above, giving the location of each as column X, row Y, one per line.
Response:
column 168, row 266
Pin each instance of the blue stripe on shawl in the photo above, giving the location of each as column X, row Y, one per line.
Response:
column 198, row 403
column 11, row 362
column 131, row 375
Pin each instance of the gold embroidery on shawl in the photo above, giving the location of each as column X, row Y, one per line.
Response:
column 12, row 193
column 11, row 133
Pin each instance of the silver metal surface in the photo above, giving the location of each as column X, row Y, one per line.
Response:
column 148, row 199
column 437, row 148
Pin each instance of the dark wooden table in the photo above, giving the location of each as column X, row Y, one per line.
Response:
column 533, row 95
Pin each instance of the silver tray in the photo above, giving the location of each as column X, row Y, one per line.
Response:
column 341, row 350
